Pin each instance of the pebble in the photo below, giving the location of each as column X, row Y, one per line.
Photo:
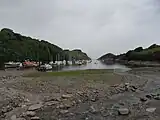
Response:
column 149, row 96
column 94, row 99
column 30, row 113
column 143, row 99
column 95, row 91
column 71, row 114
column 151, row 110
column 35, row 107
column 61, row 106
column 134, row 87
column 35, row 118
column 64, row 111
column 23, row 106
column 126, row 84
column 133, row 90
column 20, row 119
column 67, row 105
column 80, row 93
column 67, row 96
column 93, row 110
column 123, row 111
column 13, row 117
column 157, row 97
column 51, row 103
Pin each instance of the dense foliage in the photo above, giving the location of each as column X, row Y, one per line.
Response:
column 15, row 47
column 107, row 56
column 76, row 55
column 151, row 53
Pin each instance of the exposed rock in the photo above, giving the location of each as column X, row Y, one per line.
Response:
column 64, row 111
column 157, row 97
column 26, row 100
column 67, row 96
column 13, row 117
column 121, row 103
column 67, row 105
column 123, row 111
column 149, row 96
column 93, row 110
column 71, row 114
column 20, row 119
column 95, row 91
column 143, row 99
column 151, row 110
column 23, row 106
column 154, row 94
column 35, row 107
column 134, row 87
column 30, row 113
column 93, row 99
column 79, row 101
column 80, row 93
column 126, row 84
column 61, row 106
column 51, row 103
column 35, row 118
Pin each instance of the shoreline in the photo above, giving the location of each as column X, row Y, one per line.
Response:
column 133, row 63
column 140, row 63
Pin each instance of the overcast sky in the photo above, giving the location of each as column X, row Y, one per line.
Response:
column 95, row 26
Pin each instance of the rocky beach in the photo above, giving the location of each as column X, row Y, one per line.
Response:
column 82, row 95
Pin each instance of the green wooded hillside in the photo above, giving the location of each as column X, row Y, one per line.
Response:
column 16, row 47
column 152, row 53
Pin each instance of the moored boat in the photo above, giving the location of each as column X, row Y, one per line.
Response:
column 44, row 67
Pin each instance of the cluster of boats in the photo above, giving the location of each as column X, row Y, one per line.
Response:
column 21, row 64
column 43, row 67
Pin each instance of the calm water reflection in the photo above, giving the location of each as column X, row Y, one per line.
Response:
column 92, row 65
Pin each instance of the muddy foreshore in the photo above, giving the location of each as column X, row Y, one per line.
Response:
column 132, row 95
column 139, row 63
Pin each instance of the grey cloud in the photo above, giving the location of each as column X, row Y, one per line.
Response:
column 95, row 26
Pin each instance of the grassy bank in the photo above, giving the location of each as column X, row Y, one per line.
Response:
column 68, row 73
